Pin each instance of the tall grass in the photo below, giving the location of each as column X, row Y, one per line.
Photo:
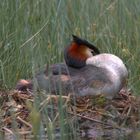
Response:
column 34, row 33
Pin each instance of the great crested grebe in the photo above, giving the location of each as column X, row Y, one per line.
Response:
column 86, row 72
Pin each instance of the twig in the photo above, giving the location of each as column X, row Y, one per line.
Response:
column 8, row 130
column 128, row 113
column 101, row 113
column 97, row 121
column 23, row 121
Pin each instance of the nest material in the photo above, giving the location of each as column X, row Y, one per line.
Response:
column 90, row 112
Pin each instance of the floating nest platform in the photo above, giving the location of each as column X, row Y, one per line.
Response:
column 94, row 116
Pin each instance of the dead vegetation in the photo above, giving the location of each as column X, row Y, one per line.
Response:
column 96, row 115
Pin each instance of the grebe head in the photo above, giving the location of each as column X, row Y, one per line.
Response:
column 78, row 51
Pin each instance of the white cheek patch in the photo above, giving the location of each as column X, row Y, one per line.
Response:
column 88, row 52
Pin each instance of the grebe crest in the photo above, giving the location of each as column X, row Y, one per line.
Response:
column 78, row 51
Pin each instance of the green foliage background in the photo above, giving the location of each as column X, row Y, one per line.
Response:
column 34, row 33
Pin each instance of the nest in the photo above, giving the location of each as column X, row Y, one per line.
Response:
column 93, row 114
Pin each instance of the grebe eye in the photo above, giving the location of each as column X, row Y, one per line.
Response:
column 93, row 52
